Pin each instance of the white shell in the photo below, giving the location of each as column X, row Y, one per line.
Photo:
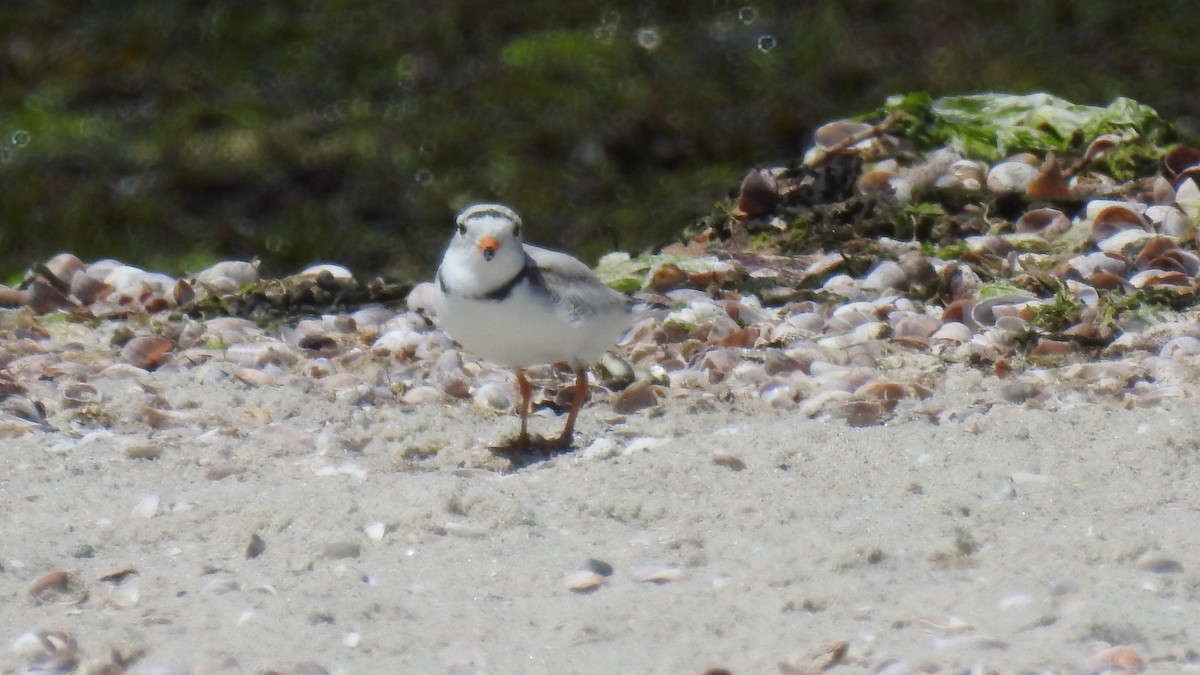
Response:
column 1009, row 177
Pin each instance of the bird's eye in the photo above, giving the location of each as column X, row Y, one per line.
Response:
column 516, row 229
column 462, row 229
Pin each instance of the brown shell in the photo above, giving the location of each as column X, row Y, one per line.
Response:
column 1047, row 223
column 147, row 352
column 1179, row 160
column 1113, row 219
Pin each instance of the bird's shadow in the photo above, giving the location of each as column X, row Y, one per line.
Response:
column 534, row 450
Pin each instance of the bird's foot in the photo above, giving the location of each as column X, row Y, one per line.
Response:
column 562, row 442
column 526, row 443
column 521, row 443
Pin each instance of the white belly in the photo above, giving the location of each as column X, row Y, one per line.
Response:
column 524, row 330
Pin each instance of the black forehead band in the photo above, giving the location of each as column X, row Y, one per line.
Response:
column 493, row 213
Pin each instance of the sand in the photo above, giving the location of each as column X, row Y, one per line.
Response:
column 1016, row 539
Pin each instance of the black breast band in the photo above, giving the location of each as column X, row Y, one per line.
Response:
column 529, row 271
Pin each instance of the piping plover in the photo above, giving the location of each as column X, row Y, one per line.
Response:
column 519, row 305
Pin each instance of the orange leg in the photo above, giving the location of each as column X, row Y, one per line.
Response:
column 526, row 390
column 581, row 392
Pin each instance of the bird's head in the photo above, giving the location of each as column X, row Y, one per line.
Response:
column 487, row 241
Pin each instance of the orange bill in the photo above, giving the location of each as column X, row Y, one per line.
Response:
column 488, row 244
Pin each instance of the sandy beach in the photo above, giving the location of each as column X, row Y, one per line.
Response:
column 901, row 379
column 301, row 528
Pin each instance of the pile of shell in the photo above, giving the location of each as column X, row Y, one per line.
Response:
column 109, row 288
column 862, row 358
column 1056, row 267
column 1086, row 289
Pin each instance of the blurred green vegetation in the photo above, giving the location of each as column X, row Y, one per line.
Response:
column 169, row 133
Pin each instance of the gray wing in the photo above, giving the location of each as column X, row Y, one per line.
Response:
column 573, row 287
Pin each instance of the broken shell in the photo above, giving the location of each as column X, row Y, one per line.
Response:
column 817, row 659
column 1171, row 221
column 64, row 266
column 914, row 328
column 1125, row 243
column 637, row 396
column 758, row 195
column 220, row 586
column 728, row 460
column 143, row 451
column 1163, row 192
column 858, row 413
column 1050, row 181
column 183, row 293
column 584, row 581
column 255, row 415
column 1113, row 218
column 988, row 311
column 657, row 573
column 79, row 394
column 1108, row 281
column 1178, row 160
column 946, row 624
column 614, row 372
column 123, row 590
column 166, row 419
column 375, row 531
column 53, row 651
column 1155, row 277
column 829, row 135
column 87, row 288
column 257, row 378
column 258, row 354
column 43, row 298
column 146, row 352
column 402, row 342
column 968, row 174
column 879, row 180
column 326, row 269
column 1164, row 254
column 953, row 331
column 115, row 576
column 256, row 547
column 1011, row 177
column 1101, row 145
column 1187, row 196
column 1179, row 347
column 891, row 392
column 886, row 275
column 667, row 277
column 421, row 395
column 776, row 362
column 1122, row 657
column 495, row 395
column 228, row 276
column 1047, row 223
column 1098, row 261
column 58, row 587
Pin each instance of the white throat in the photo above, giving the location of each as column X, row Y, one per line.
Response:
column 467, row 269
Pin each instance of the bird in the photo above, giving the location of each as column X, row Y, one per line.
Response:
column 520, row 305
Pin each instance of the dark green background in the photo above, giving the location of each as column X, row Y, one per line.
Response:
column 171, row 133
